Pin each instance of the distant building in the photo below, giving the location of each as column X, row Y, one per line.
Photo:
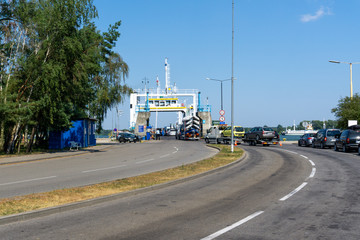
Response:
column 82, row 132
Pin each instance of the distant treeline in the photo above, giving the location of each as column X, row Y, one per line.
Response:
column 316, row 124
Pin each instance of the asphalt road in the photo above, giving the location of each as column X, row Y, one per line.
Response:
column 284, row 192
column 119, row 161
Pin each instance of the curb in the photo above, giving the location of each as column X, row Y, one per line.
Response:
column 86, row 203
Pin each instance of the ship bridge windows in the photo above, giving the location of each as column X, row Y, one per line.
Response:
column 163, row 102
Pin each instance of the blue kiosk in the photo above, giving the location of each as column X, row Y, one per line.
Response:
column 81, row 132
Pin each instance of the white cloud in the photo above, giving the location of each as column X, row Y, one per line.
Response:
column 319, row 13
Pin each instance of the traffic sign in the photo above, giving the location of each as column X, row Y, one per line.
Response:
column 222, row 119
column 222, row 112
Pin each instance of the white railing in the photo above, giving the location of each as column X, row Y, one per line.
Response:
column 153, row 91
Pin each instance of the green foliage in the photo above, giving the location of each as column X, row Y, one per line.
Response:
column 347, row 109
column 56, row 67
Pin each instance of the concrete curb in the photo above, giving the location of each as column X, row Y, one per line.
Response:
column 86, row 203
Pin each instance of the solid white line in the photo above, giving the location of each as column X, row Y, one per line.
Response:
column 148, row 160
column 312, row 174
column 304, row 156
column 312, row 163
column 293, row 192
column 29, row 180
column 164, row 155
column 102, row 169
column 224, row 230
column 174, row 152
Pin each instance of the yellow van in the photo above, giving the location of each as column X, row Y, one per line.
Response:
column 238, row 132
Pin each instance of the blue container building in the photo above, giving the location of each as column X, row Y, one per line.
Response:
column 82, row 131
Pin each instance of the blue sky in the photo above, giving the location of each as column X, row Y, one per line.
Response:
column 282, row 50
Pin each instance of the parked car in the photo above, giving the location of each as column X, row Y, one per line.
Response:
column 348, row 140
column 127, row 137
column 306, row 139
column 325, row 138
column 260, row 133
column 238, row 132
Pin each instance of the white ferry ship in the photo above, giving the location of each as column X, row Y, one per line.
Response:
column 308, row 129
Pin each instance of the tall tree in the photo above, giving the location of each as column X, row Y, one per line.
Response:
column 56, row 66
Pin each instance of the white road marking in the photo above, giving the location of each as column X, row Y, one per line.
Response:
column 312, row 174
column 222, row 231
column 304, row 156
column 102, row 169
column 148, row 160
column 166, row 155
column 29, row 180
column 312, row 163
column 293, row 192
column 176, row 150
column 290, row 151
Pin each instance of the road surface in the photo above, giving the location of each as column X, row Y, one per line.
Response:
column 119, row 161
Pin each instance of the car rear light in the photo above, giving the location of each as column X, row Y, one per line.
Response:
column 325, row 139
column 348, row 140
column 309, row 138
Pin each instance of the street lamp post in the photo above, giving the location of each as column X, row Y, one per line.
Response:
column 232, row 79
column 351, row 85
column 221, row 84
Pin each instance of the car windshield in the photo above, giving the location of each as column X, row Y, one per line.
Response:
column 239, row 129
column 333, row 133
column 268, row 129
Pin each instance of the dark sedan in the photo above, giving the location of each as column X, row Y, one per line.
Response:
column 306, row 139
column 348, row 140
column 127, row 137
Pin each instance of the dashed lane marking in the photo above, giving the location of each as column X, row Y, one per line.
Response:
column 102, row 169
column 224, row 230
column 293, row 192
column 144, row 161
column 29, row 180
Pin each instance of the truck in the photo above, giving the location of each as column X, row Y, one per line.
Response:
column 215, row 135
column 189, row 129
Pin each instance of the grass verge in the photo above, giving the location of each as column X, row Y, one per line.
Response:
column 36, row 201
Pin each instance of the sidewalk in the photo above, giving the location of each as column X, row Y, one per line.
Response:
column 12, row 159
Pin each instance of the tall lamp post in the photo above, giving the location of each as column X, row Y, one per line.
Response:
column 351, row 85
column 221, row 84
column 232, row 79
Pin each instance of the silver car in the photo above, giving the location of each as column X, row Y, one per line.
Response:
column 306, row 139
column 325, row 138
column 260, row 133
